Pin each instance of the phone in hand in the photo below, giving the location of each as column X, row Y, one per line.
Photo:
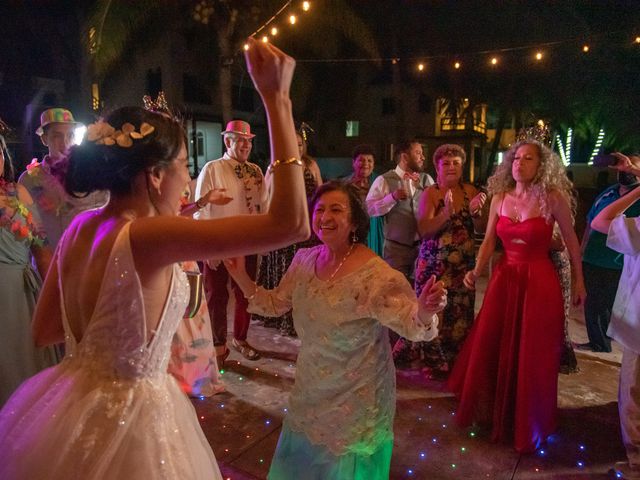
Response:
column 605, row 160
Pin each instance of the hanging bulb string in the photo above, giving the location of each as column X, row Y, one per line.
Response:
column 268, row 22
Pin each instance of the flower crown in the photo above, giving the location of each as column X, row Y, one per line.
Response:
column 101, row 133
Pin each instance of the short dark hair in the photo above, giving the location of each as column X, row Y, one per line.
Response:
column 111, row 167
column 403, row 146
column 363, row 149
column 359, row 215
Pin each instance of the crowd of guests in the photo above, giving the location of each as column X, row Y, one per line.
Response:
column 370, row 272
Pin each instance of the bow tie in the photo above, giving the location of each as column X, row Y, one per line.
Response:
column 412, row 176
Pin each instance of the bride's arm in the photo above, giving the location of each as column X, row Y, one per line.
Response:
column 163, row 240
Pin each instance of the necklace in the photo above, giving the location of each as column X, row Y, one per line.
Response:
column 346, row 255
column 518, row 218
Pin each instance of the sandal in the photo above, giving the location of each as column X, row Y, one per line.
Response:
column 246, row 350
column 222, row 357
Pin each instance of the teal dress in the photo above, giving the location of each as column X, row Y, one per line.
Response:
column 19, row 287
column 375, row 237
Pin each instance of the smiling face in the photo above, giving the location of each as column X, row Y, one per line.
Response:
column 238, row 146
column 332, row 219
column 526, row 162
column 363, row 165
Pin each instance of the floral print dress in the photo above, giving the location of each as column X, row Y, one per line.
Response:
column 448, row 256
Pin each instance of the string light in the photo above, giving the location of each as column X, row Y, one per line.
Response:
column 456, row 65
column 421, row 67
column 585, row 48
column 494, row 61
column 265, row 39
column 246, row 47
column 274, row 31
column 306, row 6
column 292, row 19
column 538, row 56
column 637, row 40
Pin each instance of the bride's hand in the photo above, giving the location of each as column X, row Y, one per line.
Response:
column 270, row 68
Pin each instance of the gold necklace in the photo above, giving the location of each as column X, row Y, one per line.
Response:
column 515, row 208
column 346, row 255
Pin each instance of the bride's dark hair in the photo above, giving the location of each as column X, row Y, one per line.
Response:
column 111, row 167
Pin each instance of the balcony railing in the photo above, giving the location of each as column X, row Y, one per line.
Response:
column 460, row 124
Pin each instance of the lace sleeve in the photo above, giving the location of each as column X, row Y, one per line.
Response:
column 394, row 304
column 277, row 301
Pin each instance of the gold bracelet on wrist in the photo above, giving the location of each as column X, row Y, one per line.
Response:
column 290, row 161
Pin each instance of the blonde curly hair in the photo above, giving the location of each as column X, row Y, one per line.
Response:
column 551, row 176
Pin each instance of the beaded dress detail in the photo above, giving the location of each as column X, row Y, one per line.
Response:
column 110, row 410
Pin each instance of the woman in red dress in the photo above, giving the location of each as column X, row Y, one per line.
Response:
column 507, row 373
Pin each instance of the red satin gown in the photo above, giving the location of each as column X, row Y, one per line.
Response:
column 507, row 373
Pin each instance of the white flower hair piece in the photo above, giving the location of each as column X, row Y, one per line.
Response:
column 101, row 133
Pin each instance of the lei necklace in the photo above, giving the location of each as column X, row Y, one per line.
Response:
column 22, row 228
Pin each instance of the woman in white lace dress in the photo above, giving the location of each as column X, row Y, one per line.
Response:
column 341, row 408
column 115, row 294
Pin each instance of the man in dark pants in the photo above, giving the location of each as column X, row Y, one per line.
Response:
column 602, row 267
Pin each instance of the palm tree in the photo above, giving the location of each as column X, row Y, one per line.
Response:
column 117, row 28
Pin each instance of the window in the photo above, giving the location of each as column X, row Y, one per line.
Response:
column 353, row 128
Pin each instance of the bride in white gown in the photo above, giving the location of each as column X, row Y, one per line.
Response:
column 115, row 294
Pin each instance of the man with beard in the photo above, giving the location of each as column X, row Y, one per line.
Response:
column 602, row 266
column 243, row 182
column 395, row 196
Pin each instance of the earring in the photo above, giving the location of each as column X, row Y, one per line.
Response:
column 354, row 237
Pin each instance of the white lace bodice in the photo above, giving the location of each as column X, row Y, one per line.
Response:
column 116, row 342
column 344, row 392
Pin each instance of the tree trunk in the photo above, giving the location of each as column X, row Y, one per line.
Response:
column 502, row 120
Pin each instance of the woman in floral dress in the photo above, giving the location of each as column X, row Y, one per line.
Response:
column 446, row 217
column 274, row 264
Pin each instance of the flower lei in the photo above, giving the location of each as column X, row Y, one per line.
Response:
column 21, row 229
column 101, row 133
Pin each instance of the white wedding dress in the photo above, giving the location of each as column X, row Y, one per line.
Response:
column 109, row 410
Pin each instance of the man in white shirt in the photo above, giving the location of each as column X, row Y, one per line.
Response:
column 243, row 181
column 624, row 237
column 394, row 196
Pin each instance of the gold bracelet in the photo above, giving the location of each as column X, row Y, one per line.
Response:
column 290, row 161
